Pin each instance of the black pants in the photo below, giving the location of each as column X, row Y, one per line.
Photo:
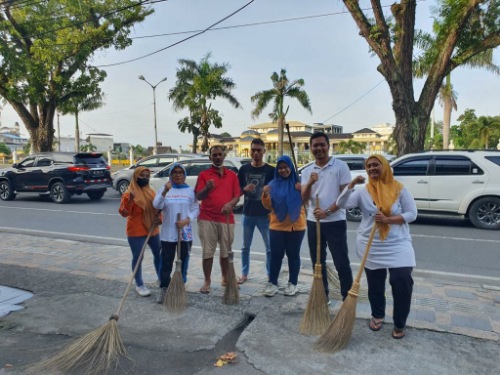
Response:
column 168, row 251
column 402, row 289
column 335, row 235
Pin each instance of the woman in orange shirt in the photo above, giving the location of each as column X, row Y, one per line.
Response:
column 287, row 224
column 137, row 207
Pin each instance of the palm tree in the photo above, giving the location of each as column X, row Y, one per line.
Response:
column 79, row 104
column 282, row 88
column 198, row 84
column 190, row 125
column 448, row 99
column 351, row 147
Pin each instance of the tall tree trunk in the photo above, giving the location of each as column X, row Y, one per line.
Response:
column 77, row 133
column 447, row 107
column 281, row 126
column 42, row 137
column 195, row 143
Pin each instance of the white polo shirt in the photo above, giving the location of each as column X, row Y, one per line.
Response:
column 331, row 176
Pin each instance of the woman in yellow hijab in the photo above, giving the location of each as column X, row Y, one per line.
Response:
column 137, row 207
column 388, row 204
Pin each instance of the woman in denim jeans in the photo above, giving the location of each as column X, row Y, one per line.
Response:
column 137, row 206
column 287, row 224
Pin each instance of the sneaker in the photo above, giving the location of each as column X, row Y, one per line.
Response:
column 328, row 302
column 142, row 291
column 161, row 295
column 291, row 289
column 271, row 290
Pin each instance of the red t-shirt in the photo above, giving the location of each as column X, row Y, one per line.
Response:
column 226, row 188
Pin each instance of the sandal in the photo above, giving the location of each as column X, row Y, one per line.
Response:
column 376, row 324
column 398, row 333
column 205, row 289
column 242, row 279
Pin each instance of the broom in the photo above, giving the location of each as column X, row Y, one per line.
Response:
column 339, row 333
column 317, row 315
column 98, row 349
column 231, row 293
column 175, row 300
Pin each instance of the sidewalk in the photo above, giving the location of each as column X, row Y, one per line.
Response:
column 467, row 309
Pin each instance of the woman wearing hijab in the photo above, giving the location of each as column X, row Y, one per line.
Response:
column 287, row 224
column 388, row 204
column 176, row 197
column 137, row 207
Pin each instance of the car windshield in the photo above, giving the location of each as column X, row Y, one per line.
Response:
column 90, row 160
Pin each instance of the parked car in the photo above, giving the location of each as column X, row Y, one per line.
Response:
column 193, row 168
column 59, row 174
column 121, row 178
column 463, row 183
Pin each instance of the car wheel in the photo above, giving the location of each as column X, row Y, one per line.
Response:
column 353, row 214
column 95, row 195
column 123, row 186
column 59, row 193
column 485, row 213
column 6, row 192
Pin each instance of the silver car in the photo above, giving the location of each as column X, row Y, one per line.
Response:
column 121, row 178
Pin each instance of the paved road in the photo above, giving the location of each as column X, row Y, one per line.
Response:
column 448, row 246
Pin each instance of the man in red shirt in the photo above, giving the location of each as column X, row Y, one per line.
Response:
column 218, row 189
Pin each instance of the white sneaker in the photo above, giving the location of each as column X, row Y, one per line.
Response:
column 291, row 290
column 143, row 291
column 271, row 290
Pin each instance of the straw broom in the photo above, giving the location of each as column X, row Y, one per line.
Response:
column 339, row 333
column 176, row 299
column 317, row 315
column 98, row 349
column 231, row 293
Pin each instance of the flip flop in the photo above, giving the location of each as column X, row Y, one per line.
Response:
column 205, row 290
column 375, row 325
column 242, row 279
column 398, row 333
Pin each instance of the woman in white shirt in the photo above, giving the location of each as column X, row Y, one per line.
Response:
column 389, row 204
column 175, row 197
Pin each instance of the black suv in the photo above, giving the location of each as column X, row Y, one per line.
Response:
column 60, row 174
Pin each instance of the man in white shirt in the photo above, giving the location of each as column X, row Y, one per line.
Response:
column 326, row 178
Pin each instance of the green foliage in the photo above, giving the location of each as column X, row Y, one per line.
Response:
column 46, row 48
column 350, row 147
column 474, row 132
column 139, row 151
column 89, row 147
column 4, row 149
column 197, row 86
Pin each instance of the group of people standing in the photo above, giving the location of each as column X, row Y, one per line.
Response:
column 275, row 201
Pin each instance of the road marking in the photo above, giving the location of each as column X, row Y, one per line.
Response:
column 124, row 242
column 52, row 210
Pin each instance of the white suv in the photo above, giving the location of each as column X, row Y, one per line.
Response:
column 465, row 183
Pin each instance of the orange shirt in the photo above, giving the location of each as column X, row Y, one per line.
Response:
column 134, row 214
column 285, row 225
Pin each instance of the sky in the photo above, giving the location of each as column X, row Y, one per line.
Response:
column 339, row 72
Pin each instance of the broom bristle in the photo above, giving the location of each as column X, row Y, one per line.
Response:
column 339, row 333
column 96, row 352
column 176, row 299
column 231, row 293
column 317, row 315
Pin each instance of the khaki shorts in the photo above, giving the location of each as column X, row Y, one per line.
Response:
column 211, row 233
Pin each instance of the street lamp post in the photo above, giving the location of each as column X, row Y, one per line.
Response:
column 141, row 77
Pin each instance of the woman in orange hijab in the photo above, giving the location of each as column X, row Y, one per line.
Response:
column 386, row 203
column 137, row 207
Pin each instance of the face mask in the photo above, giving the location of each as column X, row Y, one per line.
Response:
column 142, row 182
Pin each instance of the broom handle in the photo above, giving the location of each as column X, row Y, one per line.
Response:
column 291, row 148
column 116, row 315
column 318, row 236
column 365, row 255
column 179, row 235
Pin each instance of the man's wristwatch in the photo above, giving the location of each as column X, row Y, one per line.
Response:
column 328, row 212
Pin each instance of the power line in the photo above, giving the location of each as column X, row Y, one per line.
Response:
column 179, row 42
column 354, row 102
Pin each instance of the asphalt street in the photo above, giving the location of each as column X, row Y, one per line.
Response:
column 444, row 246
